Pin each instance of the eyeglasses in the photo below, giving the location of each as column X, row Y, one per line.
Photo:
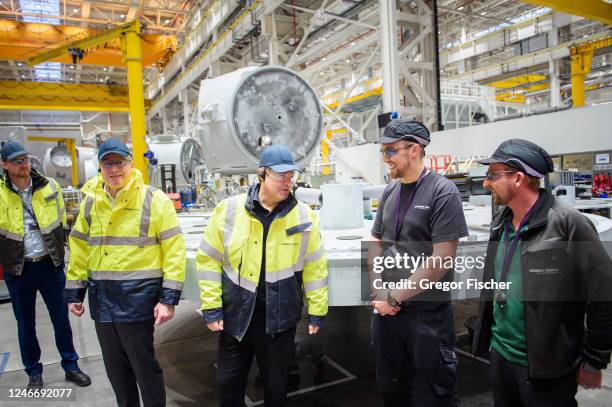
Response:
column 391, row 151
column 493, row 176
column 21, row 161
column 285, row 176
column 108, row 164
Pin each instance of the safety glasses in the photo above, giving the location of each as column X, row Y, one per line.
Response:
column 391, row 151
column 494, row 176
column 289, row 176
column 108, row 164
column 20, row 161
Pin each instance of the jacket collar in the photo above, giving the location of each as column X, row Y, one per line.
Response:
column 95, row 186
column 284, row 207
column 538, row 218
column 38, row 180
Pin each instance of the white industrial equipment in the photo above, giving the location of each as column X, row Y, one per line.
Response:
column 345, row 256
column 185, row 153
column 19, row 134
column 13, row 133
column 242, row 112
column 57, row 164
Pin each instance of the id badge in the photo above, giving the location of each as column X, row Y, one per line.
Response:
column 391, row 251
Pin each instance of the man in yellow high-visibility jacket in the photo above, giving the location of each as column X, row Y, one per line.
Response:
column 261, row 253
column 127, row 249
column 32, row 240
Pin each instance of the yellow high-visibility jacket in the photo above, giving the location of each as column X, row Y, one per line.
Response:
column 129, row 256
column 48, row 206
column 229, row 263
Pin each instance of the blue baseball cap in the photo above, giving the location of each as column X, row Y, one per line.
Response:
column 12, row 149
column 278, row 158
column 113, row 146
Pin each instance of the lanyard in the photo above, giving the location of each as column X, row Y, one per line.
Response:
column 27, row 207
column 513, row 245
column 401, row 211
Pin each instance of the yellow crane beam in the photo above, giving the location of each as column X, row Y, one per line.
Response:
column 59, row 96
column 129, row 36
column 597, row 10
column 581, row 57
column 19, row 40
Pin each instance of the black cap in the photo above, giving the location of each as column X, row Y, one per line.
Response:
column 526, row 156
column 405, row 129
column 12, row 149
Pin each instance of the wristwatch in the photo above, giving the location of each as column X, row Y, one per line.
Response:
column 392, row 301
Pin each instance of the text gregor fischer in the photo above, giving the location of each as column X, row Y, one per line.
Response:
column 425, row 284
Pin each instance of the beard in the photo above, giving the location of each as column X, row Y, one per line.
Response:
column 498, row 200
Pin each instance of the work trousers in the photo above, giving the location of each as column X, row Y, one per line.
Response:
column 274, row 354
column 129, row 359
column 415, row 359
column 50, row 280
column 513, row 388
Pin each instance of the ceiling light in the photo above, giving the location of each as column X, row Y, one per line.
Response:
column 71, row 66
column 105, row 68
column 122, row 15
column 166, row 21
column 23, row 76
column 483, row 13
column 101, row 80
column 460, row 8
column 353, row 43
column 19, row 64
column 324, row 58
column 348, row 61
column 76, row 10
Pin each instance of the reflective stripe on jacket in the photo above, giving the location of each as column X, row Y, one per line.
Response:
column 130, row 256
column 48, row 206
column 229, row 263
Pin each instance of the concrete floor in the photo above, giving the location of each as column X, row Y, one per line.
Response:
column 187, row 353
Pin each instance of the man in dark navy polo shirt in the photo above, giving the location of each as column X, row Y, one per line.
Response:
column 420, row 215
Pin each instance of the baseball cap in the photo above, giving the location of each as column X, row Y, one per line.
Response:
column 113, row 146
column 278, row 158
column 528, row 157
column 405, row 129
column 12, row 149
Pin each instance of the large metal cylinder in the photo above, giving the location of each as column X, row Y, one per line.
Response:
column 57, row 164
column 242, row 112
column 186, row 154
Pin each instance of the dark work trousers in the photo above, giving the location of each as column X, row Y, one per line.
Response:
column 415, row 359
column 512, row 387
column 274, row 354
column 41, row 276
column 129, row 359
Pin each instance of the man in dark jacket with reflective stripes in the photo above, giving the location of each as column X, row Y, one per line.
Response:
column 551, row 329
column 261, row 254
column 128, row 252
column 32, row 220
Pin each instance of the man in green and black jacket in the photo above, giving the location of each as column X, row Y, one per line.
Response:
column 551, row 330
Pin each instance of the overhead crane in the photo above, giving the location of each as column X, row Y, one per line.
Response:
column 581, row 56
column 129, row 35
